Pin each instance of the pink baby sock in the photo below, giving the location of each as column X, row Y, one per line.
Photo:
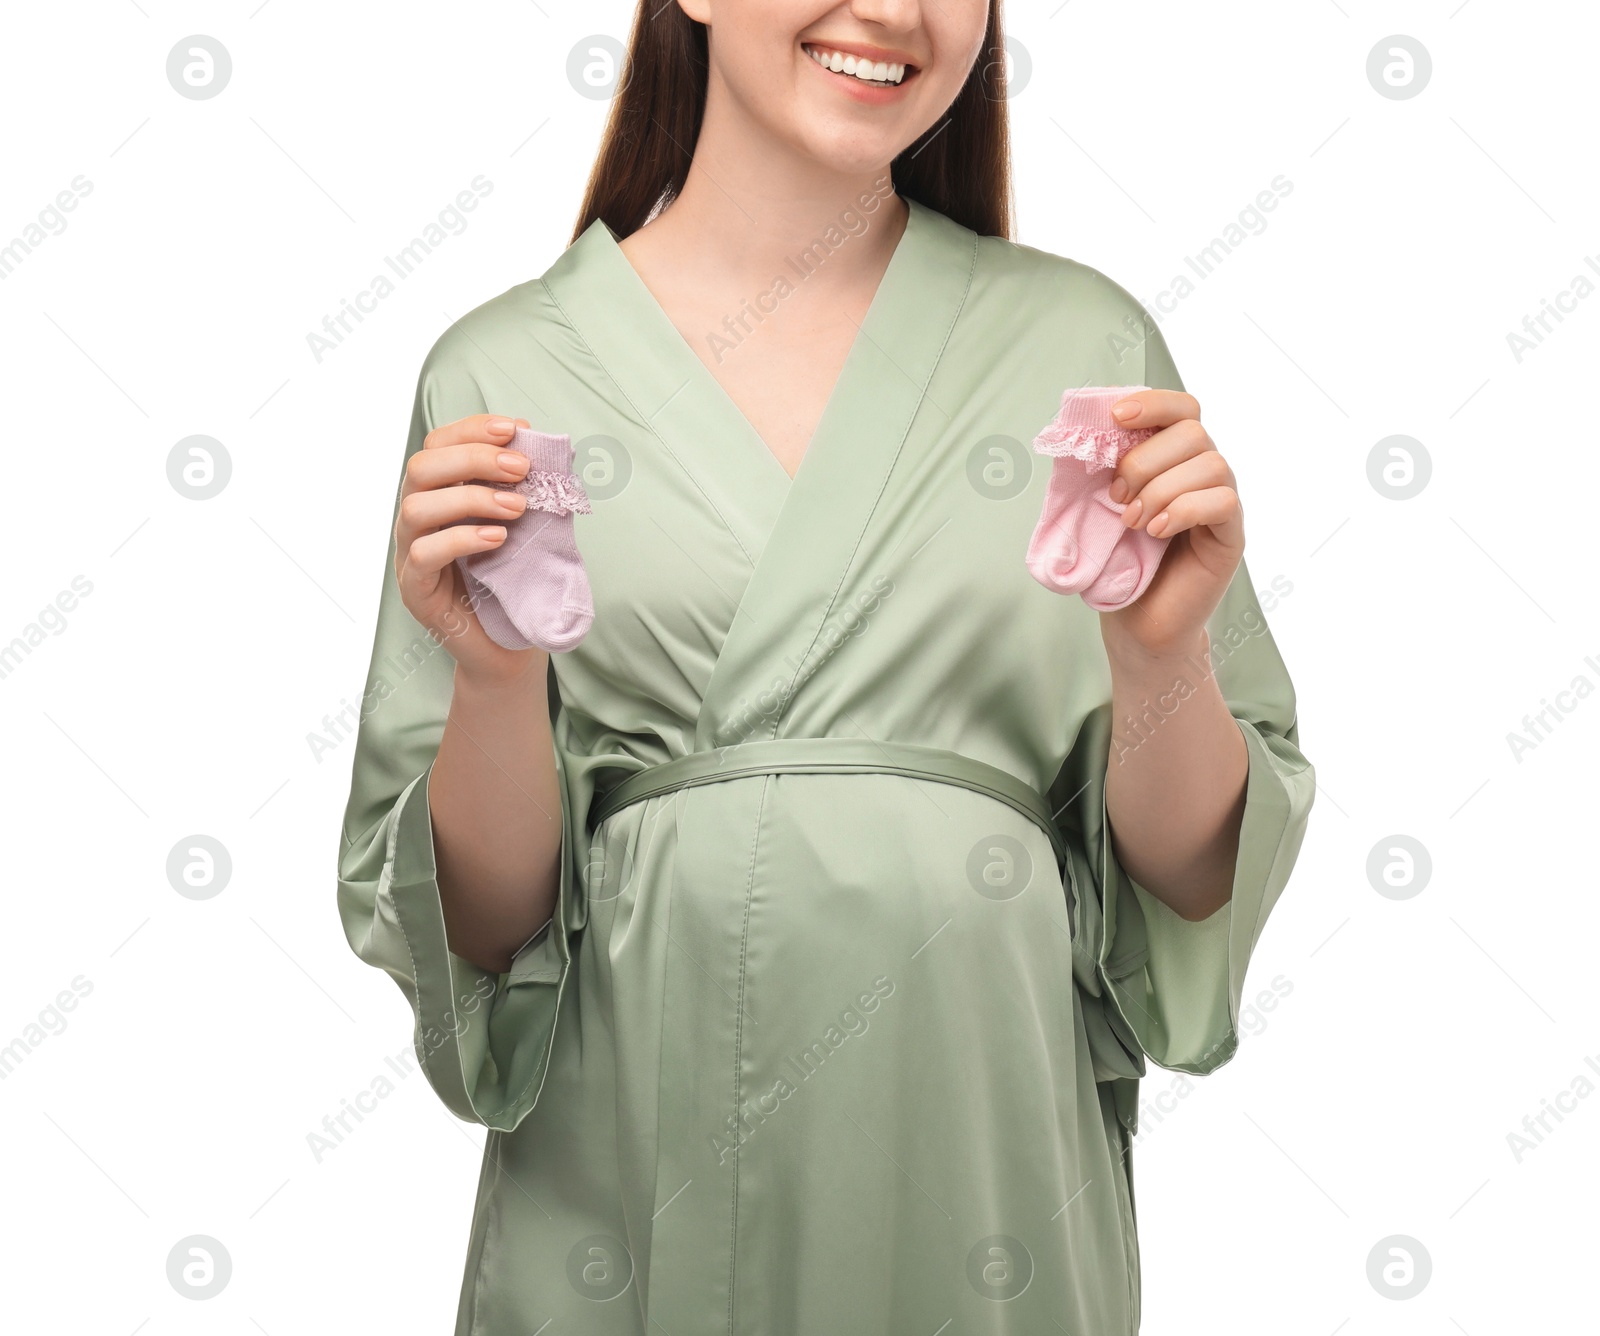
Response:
column 532, row 590
column 1080, row 545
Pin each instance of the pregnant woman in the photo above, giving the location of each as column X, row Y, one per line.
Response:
column 800, row 926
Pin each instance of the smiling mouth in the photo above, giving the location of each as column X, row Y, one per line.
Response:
column 880, row 74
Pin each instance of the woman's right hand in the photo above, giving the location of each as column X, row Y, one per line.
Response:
column 446, row 482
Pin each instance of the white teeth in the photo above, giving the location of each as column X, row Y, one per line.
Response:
column 862, row 69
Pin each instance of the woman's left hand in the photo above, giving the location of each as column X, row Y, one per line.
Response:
column 1176, row 485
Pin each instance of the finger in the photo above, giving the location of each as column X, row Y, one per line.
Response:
column 447, row 465
column 494, row 428
column 1155, row 408
column 1166, row 450
column 422, row 512
column 1207, row 469
column 429, row 555
column 1215, row 507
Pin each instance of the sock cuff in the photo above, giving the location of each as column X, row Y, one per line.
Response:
column 549, row 484
column 1084, row 429
column 1090, row 405
column 551, row 453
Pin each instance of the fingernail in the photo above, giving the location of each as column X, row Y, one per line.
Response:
column 1130, row 516
column 1160, row 522
column 491, row 533
column 511, row 500
column 502, row 426
column 512, row 462
column 1126, row 410
column 1119, row 490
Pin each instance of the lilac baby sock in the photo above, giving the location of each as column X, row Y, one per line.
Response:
column 532, row 590
column 1080, row 545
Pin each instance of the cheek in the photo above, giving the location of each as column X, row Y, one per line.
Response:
column 757, row 65
column 957, row 32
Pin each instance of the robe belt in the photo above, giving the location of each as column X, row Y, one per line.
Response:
column 859, row 756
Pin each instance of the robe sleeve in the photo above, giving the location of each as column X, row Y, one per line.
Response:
column 1176, row 986
column 483, row 1040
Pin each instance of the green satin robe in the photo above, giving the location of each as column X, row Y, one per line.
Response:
column 814, row 1052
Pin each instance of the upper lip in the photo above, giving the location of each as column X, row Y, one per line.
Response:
column 876, row 54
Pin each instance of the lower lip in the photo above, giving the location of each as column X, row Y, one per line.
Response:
column 874, row 95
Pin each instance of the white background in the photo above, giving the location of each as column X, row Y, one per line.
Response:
column 178, row 697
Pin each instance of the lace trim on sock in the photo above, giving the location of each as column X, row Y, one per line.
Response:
column 1098, row 447
column 553, row 491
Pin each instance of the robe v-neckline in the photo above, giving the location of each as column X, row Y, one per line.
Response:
column 666, row 328
column 798, row 534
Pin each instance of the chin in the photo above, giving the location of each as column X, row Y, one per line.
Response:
column 853, row 159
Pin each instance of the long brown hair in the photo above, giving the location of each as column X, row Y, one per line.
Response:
column 961, row 167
